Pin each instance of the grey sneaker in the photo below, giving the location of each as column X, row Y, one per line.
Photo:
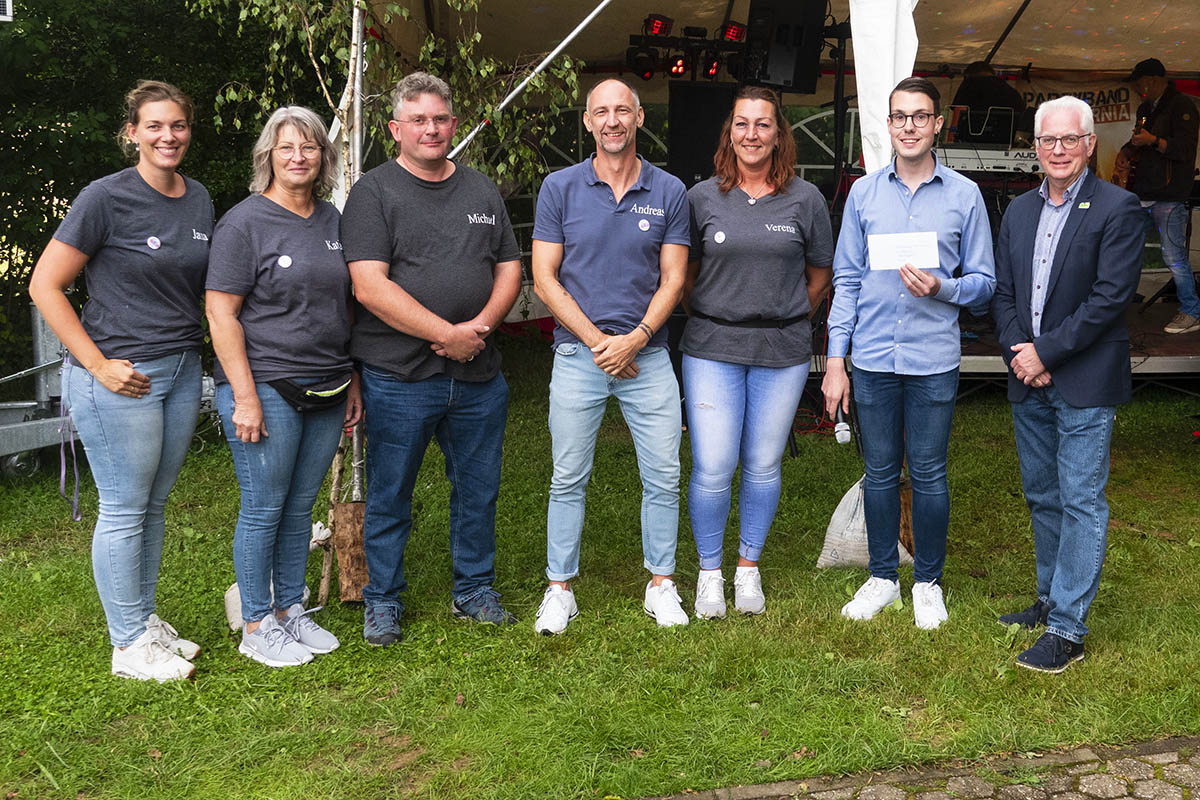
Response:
column 308, row 633
column 165, row 633
column 271, row 644
column 483, row 607
column 381, row 625
column 1182, row 323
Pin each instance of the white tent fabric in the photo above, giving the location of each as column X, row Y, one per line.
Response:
column 885, row 49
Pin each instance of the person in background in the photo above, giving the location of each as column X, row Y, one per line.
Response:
column 278, row 306
column 1068, row 260
column 904, row 327
column 1165, row 170
column 132, row 377
column 762, row 248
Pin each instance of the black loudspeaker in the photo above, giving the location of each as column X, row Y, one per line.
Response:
column 694, row 117
column 783, row 44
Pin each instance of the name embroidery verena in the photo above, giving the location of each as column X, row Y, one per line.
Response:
column 779, row 228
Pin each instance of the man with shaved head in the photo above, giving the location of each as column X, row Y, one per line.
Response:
column 610, row 246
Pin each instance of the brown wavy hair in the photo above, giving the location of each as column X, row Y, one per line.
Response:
column 783, row 157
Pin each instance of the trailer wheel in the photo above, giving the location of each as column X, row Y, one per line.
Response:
column 21, row 465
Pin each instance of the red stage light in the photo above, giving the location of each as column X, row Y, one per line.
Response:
column 679, row 65
column 733, row 32
column 712, row 65
column 658, row 25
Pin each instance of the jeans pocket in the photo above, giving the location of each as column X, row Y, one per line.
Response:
column 566, row 349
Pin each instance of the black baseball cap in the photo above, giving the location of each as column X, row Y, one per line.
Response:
column 1151, row 66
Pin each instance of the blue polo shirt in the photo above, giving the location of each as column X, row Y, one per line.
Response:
column 891, row 330
column 610, row 249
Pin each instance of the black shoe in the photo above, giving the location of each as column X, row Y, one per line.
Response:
column 1030, row 618
column 1051, row 653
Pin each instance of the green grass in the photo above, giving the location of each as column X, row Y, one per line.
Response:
column 614, row 706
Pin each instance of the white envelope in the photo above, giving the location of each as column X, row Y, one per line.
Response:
column 894, row 250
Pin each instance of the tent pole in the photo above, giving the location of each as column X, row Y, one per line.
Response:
column 1012, row 23
column 840, row 104
column 521, row 87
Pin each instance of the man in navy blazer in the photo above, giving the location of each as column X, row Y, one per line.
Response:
column 1067, row 264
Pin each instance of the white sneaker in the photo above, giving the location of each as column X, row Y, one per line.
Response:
column 271, row 644
column 662, row 602
column 170, row 637
column 929, row 609
column 710, row 594
column 557, row 609
column 871, row 598
column 748, row 595
column 148, row 659
column 308, row 633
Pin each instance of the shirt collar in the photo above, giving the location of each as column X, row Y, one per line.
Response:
column 1069, row 194
column 642, row 181
column 939, row 171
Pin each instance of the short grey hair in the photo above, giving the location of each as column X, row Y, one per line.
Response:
column 637, row 102
column 313, row 128
column 1067, row 102
column 412, row 86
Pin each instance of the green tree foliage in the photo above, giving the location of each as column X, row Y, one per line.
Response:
column 509, row 149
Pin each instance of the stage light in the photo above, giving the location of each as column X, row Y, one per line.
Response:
column 732, row 32
column 643, row 61
column 658, row 25
column 711, row 65
column 680, row 64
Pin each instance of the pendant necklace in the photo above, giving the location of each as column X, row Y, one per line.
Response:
column 753, row 198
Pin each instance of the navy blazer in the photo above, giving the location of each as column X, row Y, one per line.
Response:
column 1084, row 342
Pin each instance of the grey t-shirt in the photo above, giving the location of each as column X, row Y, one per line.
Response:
column 290, row 270
column 147, row 254
column 442, row 241
column 752, row 260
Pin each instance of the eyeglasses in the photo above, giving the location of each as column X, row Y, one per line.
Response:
column 1069, row 142
column 286, row 151
column 919, row 119
column 441, row 121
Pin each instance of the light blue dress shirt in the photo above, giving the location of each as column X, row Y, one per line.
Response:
column 891, row 330
column 1045, row 245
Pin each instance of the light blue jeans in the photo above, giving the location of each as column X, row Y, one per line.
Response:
column 1064, row 468
column 279, row 476
column 737, row 411
column 1171, row 218
column 579, row 392
column 135, row 448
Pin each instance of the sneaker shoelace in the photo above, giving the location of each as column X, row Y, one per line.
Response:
column 161, row 629
column 383, row 617
column 748, row 581
column 301, row 622
column 710, row 587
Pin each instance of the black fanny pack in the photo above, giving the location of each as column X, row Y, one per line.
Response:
column 324, row 394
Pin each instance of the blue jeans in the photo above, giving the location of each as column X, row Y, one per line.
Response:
column 279, row 476
column 899, row 416
column 135, row 447
column 1064, row 467
column 1171, row 218
column 737, row 412
column 579, row 392
column 468, row 421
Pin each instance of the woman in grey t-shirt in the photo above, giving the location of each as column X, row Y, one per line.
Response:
column 132, row 381
column 278, row 310
column 762, row 249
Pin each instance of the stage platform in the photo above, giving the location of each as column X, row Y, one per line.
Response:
column 1153, row 354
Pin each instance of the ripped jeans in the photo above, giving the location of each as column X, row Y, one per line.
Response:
column 737, row 412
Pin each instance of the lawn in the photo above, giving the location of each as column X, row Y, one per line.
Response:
column 615, row 707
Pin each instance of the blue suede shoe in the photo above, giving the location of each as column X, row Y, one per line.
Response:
column 1051, row 653
column 483, row 607
column 1032, row 617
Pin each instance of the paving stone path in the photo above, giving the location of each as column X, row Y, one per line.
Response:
column 1162, row 770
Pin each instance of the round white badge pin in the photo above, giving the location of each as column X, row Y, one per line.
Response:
column 285, row 261
column 153, row 243
column 643, row 224
column 719, row 237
